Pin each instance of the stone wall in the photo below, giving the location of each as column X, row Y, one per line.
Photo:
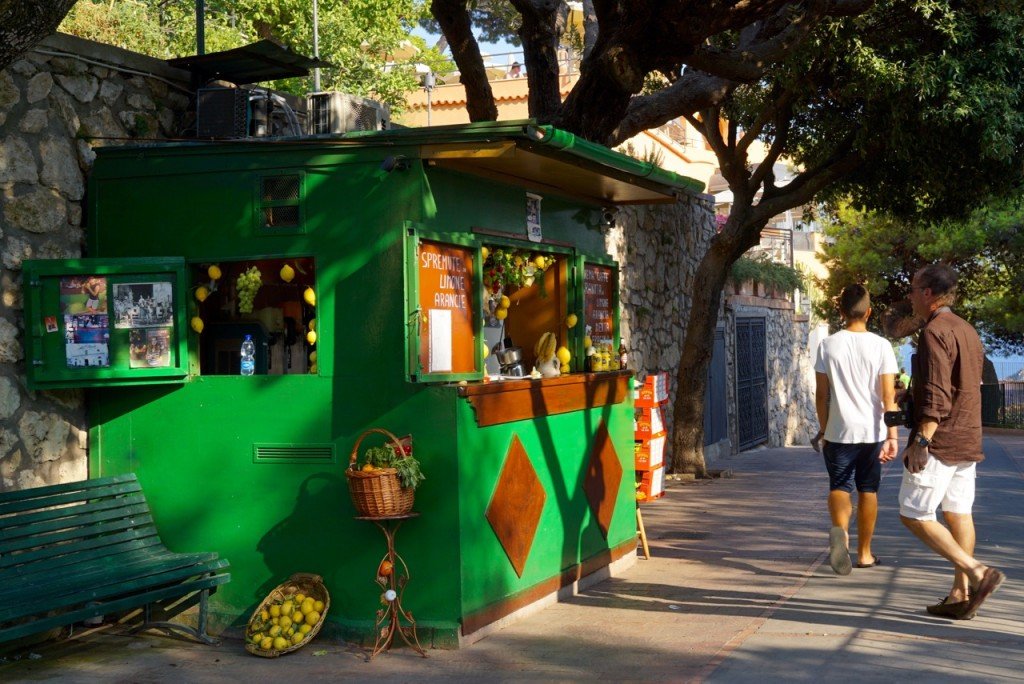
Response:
column 57, row 103
column 658, row 248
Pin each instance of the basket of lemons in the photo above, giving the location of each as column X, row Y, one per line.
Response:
column 289, row 617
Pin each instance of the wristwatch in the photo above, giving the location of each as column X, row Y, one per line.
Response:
column 922, row 441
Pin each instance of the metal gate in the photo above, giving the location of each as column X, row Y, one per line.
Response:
column 716, row 414
column 751, row 382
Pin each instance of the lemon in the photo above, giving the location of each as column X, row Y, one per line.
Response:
column 484, row 252
column 297, row 616
column 287, row 273
column 308, row 606
column 505, row 302
column 202, row 293
column 275, row 631
column 214, row 272
column 275, row 610
column 281, row 643
column 311, row 337
column 587, row 342
column 571, row 320
column 313, row 618
column 564, row 368
column 312, row 324
column 309, row 296
column 312, row 369
column 264, row 615
column 267, row 643
column 299, row 598
column 285, row 623
column 297, row 638
column 563, row 355
column 487, row 351
column 501, row 314
column 197, row 324
column 305, row 629
column 287, row 607
column 318, row 606
column 540, row 262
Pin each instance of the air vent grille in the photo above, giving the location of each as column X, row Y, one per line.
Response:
column 280, row 188
column 294, row 453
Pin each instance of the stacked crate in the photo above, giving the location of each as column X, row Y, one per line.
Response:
column 650, row 401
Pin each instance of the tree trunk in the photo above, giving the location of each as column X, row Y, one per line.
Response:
column 455, row 24
column 23, row 23
column 605, row 78
column 539, row 34
column 738, row 234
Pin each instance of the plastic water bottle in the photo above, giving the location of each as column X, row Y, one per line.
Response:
column 248, row 356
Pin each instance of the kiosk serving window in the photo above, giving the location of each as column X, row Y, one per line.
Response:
column 272, row 300
column 96, row 322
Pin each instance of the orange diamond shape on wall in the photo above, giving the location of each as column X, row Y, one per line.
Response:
column 603, row 477
column 515, row 508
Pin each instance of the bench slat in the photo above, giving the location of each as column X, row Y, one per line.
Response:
column 14, row 525
column 127, row 579
column 83, row 518
column 139, row 521
column 46, row 577
column 112, row 606
column 46, row 490
column 65, row 494
column 72, row 552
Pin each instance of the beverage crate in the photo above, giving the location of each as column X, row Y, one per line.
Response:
column 652, row 392
column 647, row 422
column 652, row 484
column 650, row 453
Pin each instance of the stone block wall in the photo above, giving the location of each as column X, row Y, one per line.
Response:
column 57, row 103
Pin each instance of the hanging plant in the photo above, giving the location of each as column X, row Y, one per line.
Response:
column 507, row 267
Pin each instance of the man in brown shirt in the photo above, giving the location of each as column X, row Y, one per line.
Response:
column 945, row 441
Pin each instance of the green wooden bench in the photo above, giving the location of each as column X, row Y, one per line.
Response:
column 75, row 551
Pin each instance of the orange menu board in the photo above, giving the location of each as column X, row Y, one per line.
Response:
column 598, row 282
column 446, row 308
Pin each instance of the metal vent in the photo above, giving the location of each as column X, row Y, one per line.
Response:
column 276, row 217
column 280, row 188
column 294, row 453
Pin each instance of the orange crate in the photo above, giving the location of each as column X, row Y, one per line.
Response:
column 652, row 484
column 652, row 392
column 650, row 453
column 647, row 422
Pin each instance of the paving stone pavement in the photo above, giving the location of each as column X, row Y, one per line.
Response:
column 738, row 590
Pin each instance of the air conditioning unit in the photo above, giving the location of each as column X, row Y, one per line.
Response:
column 333, row 112
column 222, row 113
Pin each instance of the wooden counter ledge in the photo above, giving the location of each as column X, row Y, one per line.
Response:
column 509, row 400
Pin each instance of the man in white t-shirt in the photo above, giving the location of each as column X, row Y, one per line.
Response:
column 855, row 384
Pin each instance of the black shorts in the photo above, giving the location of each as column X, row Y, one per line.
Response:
column 853, row 463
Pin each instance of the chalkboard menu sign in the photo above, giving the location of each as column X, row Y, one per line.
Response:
column 598, row 290
column 446, row 308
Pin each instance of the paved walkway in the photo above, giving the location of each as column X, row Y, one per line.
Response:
column 737, row 591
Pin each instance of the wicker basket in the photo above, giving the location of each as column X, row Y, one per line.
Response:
column 300, row 583
column 379, row 493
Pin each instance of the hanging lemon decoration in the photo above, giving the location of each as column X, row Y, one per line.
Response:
column 287, row 273
column 309, row 296
column 197, row 324
column 202, row 293
column 214, row 272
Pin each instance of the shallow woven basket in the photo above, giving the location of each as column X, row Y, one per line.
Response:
column 379, row 493
column 299, row 583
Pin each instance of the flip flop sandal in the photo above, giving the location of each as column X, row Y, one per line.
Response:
column 838, row 554
column 877, row 561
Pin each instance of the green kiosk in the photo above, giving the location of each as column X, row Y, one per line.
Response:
column 399, row 279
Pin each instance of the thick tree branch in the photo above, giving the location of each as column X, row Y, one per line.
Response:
column 783, row 112
column 23, row 23
column 540, row 32
column 692, row 92
column 453, row 17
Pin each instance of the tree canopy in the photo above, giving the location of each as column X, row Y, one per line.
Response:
column 883, row 252
column 363, row 39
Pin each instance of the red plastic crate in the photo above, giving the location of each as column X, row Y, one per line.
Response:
column 647, row 422
column 652, row 484
column 650, row 453
column 652, row 392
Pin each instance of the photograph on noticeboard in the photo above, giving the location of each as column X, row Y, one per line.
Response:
column 86, row 341
column 143, row 305
column 149, row 348
column 83, row 295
